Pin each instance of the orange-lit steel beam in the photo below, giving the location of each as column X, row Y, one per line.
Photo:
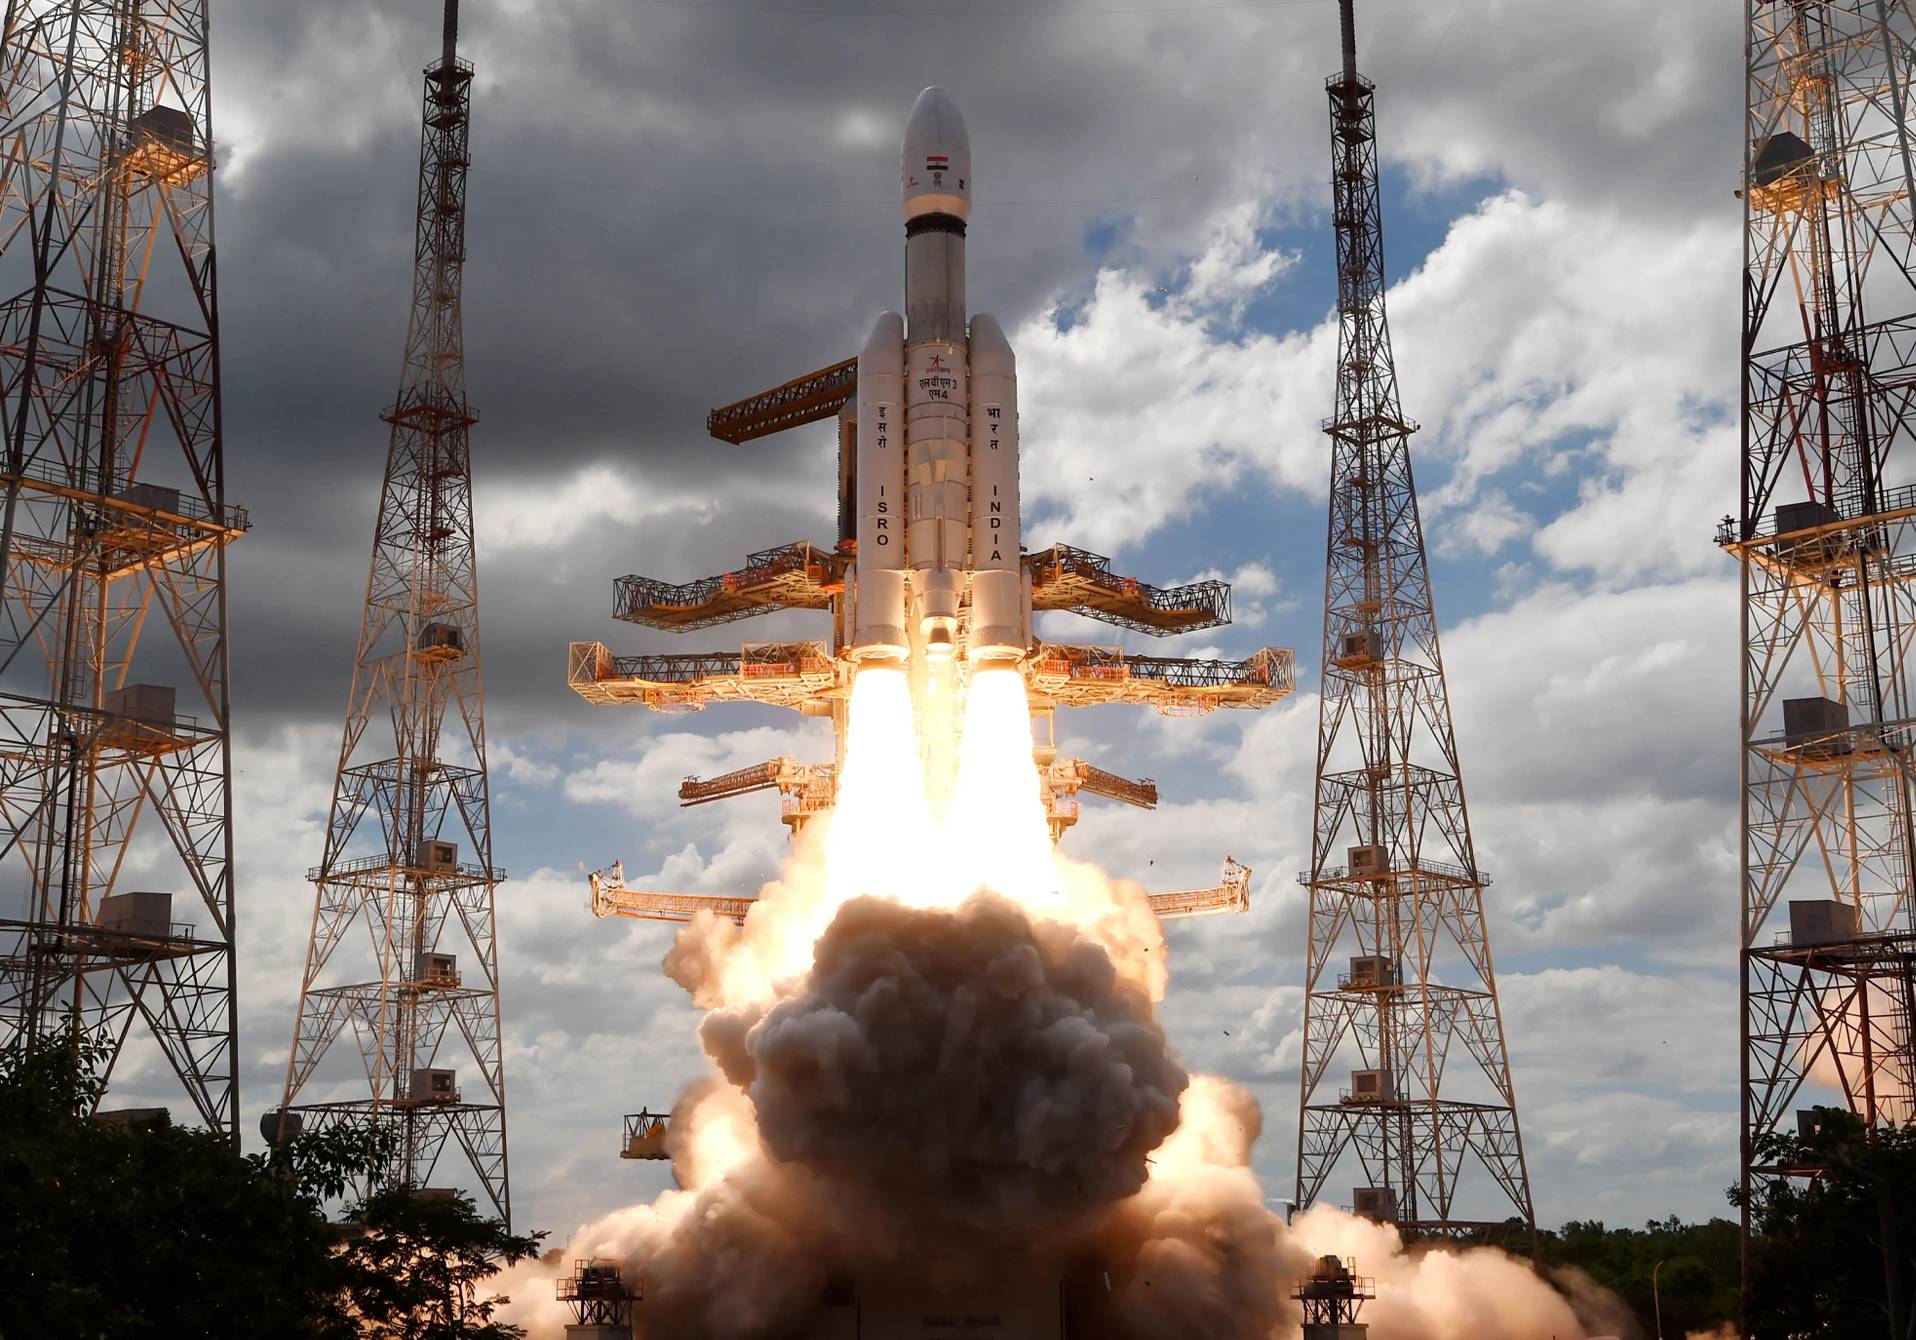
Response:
column 816, row 395
column 743, row 782
column 1143, row 793
column 611, row 898
column 1065, row 577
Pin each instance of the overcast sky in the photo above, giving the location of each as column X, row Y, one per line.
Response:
column 674, row 203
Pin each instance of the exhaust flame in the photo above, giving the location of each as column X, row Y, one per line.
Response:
column 996, row 824
column 939, row 1068
column 882, row 826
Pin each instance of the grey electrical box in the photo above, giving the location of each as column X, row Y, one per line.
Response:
column 144, row 914
column 169, row 127
column 1373, row 970
column 1822, row 921
column 150, row 703
column 1365, row 646
column 1794, row 517
column 135, row 1118
column 444, row 638
column 436, row 969
column 151, row 495
column 275, row 1126
column 1375, row 1202
column 1367, row 861
column 434, row 1086
column 435, row 854
column 1371, row 1086
column 1814, row 719
column 1810, row 1122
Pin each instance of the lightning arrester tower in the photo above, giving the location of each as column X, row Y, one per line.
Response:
column 409, row 844
column 1393, row 879
column 1826, row 544
column 115, row 810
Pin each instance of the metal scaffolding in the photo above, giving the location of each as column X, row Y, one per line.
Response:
column 408, row 853
column 601, row 1302
column 803, row 576
column 816, row 395
column 1825, row 543
column 1331, row 1297
column 1065, row 577
column 791, row 576
column 612, row 898
column 115, row 510
column 806, row 675
column 1393, row 873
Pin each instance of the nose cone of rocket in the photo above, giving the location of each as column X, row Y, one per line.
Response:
column 935, row 168
column 990, row 350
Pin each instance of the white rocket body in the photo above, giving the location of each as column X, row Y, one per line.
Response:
column 954, row 392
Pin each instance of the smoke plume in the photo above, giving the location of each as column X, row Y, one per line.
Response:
column 947, row 1079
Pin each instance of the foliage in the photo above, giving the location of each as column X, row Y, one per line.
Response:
column 154, row 1230
column 1697, row 1282
column 417, row 1263
column 1836, row 1252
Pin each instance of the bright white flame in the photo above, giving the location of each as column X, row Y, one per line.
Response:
column 881, row 829
column 995, row 829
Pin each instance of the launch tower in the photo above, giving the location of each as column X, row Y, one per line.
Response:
column 1393, row 879
column 403, row 949
column 1825, row 538
column 113, row 652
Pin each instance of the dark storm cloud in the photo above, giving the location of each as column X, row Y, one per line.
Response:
column 673, row 205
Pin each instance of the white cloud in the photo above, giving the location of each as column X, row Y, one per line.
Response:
column 646, row 784
column 1254, row 588
column 542, row 513
column 505, row 761
column 1492, row 522
column 1536, row 333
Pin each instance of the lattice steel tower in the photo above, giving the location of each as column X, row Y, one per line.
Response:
column 1393, row 876
column 1825, row 544
column 409, row 846
column 115, row 811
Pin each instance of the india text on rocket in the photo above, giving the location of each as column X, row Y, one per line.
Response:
column 937, row 443
column 929, row 570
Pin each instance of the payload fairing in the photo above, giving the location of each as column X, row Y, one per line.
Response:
column 937, row 435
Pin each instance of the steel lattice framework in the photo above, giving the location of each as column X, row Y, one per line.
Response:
column 1826, row 549
column 114, row 755
column 408, row 856
column 1393, row 874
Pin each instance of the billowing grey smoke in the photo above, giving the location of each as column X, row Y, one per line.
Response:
column 975, row 1103
column 967, row 1072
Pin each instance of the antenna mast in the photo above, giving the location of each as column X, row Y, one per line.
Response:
column 409, row 845
column 1393, row 873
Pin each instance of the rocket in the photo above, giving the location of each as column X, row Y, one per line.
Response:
column 937, row 525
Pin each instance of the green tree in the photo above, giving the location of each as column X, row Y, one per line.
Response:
column 416, row 1264
column 1697, row 1281
column 153, row 1230
column 1836, row 1247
